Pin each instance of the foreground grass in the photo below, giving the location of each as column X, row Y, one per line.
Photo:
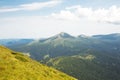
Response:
column 16, row 66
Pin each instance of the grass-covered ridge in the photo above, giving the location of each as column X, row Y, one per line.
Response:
column 16, row 66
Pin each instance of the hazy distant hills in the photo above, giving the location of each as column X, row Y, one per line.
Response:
column 84, row 57
column 16, row 66
column 64, row 44
column 11, row 42
column 115, row 36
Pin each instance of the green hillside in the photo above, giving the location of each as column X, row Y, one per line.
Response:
column 88, row 66
column 16, row 66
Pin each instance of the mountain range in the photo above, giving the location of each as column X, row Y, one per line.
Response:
column 84, row 57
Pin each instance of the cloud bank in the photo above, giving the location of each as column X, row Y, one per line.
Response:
column 110, row 15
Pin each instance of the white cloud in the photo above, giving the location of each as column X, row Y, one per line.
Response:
column 110, row 15
column 39, row 5
column 65, row 15
column 31, row 6
column 9, row 9
column 80, row 11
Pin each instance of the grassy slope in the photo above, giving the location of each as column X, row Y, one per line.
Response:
column 15, row 66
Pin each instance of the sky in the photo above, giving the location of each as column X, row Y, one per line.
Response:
column 45, row 18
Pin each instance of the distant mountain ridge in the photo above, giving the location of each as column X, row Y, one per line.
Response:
column 65, row 44
column 62, row 35
column 9, row 42
column 109, row 36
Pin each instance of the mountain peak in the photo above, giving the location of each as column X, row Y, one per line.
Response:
column 61, row 35
column 64, row 35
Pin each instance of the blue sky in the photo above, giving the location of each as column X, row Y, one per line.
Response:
column 44, row 18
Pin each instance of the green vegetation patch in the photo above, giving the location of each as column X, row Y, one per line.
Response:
column 21, row 58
